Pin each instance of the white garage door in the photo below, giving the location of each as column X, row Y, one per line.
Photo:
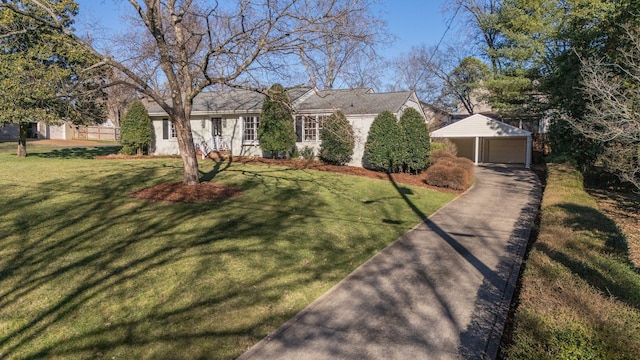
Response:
column 506, row 150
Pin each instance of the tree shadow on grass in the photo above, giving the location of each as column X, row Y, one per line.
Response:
column 88, row 271
column 606, row 268
column 583, row 218
column 77, row 152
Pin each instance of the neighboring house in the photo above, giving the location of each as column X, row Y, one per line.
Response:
column 37, row 130
column 486, row 140
column 436, row 117
column 229, row 120
column 478, row 102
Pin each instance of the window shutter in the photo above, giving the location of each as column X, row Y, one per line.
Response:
column 298, row 128
column 165, row 129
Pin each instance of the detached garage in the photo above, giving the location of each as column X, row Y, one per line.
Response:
column 486, row 140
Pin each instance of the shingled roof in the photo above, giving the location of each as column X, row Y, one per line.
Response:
column 227, row 102
column 350, row 102
column 354, row 101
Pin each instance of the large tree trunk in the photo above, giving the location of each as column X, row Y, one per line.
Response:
column 187, row 150
column 22, row 139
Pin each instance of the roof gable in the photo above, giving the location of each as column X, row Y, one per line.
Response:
column 479, row 125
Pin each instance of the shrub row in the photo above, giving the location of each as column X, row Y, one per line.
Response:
column 395, row 146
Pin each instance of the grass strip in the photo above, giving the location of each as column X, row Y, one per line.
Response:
column 580, row 296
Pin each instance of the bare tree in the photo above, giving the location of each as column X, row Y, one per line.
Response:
column 443, row 77
column 422, row 69
column 191, row 45
column 119, row 98
column 613, row 109
column 348, row 49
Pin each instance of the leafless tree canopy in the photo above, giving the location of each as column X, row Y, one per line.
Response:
column 613, row 116
column 188, row 45
column 347, row 52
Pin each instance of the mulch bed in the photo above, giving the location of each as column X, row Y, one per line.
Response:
column 179, row 192
column 214, row 192
column 401, row 178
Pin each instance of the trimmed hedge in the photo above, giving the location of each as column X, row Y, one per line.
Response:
column 276, row 132
column 337, row 140
column 136, row 132
column 416, row 143
column 437, row 155
column 384, row 147
column 450, row 172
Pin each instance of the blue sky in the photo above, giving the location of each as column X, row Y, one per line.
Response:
column 413, row 22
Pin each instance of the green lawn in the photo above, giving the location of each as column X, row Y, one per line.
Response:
column 88, row 272
column 580, row 295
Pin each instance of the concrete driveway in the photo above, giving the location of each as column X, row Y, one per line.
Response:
column 442, row 291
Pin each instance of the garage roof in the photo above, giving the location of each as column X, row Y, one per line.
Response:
column 479, row 126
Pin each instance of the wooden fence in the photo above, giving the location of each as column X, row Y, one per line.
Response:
column 96, row 133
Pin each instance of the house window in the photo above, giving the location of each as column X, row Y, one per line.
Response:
column 311, row 127
column 168, row 129
column 216, row 126
column 250, row 129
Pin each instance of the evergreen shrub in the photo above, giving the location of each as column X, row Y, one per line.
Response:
column 276, row 131
column 337, row 140
column 416, row 143
column 136, row 132
column 384, row 147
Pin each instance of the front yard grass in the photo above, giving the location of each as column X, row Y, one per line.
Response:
column 88, row 272
column 580, row 296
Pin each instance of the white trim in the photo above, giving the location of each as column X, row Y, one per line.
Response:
column 528, row 156
column 477, row 151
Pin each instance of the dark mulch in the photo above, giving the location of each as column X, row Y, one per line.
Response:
column 179, row 192
column 402, row 178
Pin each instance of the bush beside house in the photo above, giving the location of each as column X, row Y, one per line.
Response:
column 136, row 132
column 276, row 132
column 416, row 144
column 337, row 140
column 383, row 149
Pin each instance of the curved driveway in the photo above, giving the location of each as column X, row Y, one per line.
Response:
column 442, row 291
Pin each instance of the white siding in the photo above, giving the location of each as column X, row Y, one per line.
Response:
column 361, row 126
column 201, row 127
column 479, row 125
column 63, row 131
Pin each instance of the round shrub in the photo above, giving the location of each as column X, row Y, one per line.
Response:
column 450, row 172
column 444, row 144
column 136, row 132
column 415, row 156
column 437, row 155
column 384, row 146
column 337, row 140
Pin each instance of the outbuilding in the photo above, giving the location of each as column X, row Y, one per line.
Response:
column 486, row 140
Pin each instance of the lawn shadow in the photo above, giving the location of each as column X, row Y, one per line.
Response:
column 108, row 248
column 217, row 168
column 584, row 218
column 77, row 152
column 607, row 268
